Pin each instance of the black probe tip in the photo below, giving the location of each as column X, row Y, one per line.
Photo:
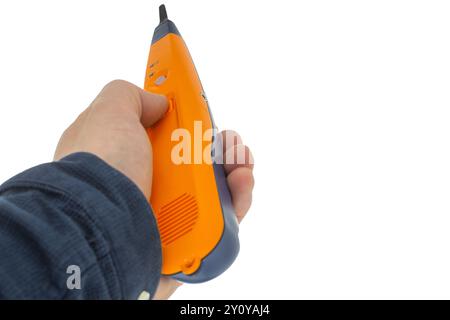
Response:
column 162, row 13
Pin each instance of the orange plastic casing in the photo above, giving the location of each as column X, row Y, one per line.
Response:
column 184, row 196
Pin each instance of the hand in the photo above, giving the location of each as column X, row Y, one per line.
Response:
column 119, row 116
column 113, row 128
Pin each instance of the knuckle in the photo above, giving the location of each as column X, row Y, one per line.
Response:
column 118, row 82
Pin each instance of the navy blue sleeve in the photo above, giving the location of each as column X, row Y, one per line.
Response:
column 77, row 212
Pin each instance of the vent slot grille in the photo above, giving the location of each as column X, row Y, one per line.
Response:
column 176, row 218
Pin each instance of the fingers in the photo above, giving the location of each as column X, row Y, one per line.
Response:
column 241, row 182
column 236, row 154
column 120, row 95
column 230, row 138
column 238, row 164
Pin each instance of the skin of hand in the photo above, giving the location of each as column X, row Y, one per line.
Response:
column 113, row 128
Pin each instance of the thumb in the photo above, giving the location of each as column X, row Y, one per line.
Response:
column 125, row 96
column 154, row 106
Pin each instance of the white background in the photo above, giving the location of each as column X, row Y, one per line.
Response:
column 346, row 105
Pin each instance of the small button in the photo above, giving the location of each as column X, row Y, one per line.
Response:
column 190, row 265
column 160, row 80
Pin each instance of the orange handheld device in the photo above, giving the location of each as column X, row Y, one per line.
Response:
column 190, row 198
